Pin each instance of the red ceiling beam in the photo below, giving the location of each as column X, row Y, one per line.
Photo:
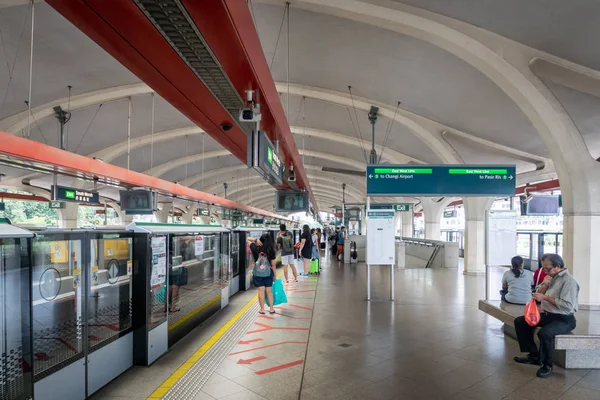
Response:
column 88, row 168
column 229, row 31
column 122, row 29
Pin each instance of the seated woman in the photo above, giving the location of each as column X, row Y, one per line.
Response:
column 538, row 276
column 516, row 283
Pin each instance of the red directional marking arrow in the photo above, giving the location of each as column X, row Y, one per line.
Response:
column 270, row 328
column 264, row 347
column 279, row 367
column 249, row 341
column 251, row 360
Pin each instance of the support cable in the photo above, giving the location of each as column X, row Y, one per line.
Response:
column 285, row 10
column 152, row 133
column 129, row 133
column 30, row 70
column 358, row 125
column 388, row 132
column 68, row 111
column 89, row 126
column 11, row 70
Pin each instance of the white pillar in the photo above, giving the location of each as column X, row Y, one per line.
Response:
column 205, row 220
column 408, row 222
column 163, row 215
column 475, row 215
column 67, row 217
column 188, row 217
column 432, row 213
column 581, row 251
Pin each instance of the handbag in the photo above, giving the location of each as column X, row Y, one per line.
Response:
column 532, row 314
column 279, row 296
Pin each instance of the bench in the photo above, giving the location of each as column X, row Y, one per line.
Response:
column 577, row 350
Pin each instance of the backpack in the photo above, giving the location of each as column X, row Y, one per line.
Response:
column 262, row 267
column 287, row 244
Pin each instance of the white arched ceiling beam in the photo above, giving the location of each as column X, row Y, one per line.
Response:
column 250, row 199
column 508, row 69
column 242, row 183
column 162, row 169
column 166, row 167
column 442, row 149
column 344, row 99
column 393, row 156
column 322, row 185
column 17, row 122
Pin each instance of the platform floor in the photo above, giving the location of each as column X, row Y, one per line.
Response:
column 327, row 342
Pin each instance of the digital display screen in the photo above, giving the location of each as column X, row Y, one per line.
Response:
column 290, row 201
column 137, row 201
column 543, row 205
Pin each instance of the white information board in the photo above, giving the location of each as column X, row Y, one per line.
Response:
column 199, row 245
column 380, row 237
column 501, row 237
column 159, row 261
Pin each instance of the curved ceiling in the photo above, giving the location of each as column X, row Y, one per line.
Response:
column 438, row 93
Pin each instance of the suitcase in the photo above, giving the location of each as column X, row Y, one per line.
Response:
column 314, row 266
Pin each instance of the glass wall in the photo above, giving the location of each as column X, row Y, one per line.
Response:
column 193, row 274
column 57, row 302
column 15, row 335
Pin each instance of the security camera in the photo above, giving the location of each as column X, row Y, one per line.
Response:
column 291, row 175
column 249, row 114
column 226, row 126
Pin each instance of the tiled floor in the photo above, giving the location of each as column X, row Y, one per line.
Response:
column 431, row 343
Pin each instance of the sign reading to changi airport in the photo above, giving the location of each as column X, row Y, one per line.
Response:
column 76, row 195
column 264, row 157
column 441, row 180
column 291, row 201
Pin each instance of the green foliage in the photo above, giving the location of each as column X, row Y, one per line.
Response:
column 29, row 212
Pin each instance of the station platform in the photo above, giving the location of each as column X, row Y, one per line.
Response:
column 327, row 342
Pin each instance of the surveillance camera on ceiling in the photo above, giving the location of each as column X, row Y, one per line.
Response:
column 249, row 114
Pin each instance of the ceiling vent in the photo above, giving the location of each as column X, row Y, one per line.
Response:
column 174, row 23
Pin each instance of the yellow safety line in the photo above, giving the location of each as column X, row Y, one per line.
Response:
column 189, row 363
column 196, row 311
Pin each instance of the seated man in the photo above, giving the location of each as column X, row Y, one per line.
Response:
column 558, row 295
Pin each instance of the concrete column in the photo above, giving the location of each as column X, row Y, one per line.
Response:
column 581, row 251
column 163, row 215
column 432, row 213
column 475, row 215
column 188, row 217
column 408, row 222
column 67, row 217
column 205, row 220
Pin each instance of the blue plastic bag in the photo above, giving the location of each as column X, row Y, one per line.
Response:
column 161, row 294
column 279, row 296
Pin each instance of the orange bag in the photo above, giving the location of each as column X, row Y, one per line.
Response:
column 532, row 314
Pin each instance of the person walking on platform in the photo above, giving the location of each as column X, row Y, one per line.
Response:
column 306, row 245
column 263, row 273
column 559, row 297
column 285, row 242
column 340, row 243
column 315, row 251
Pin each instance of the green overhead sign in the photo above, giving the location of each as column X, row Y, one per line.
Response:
column 441, row 180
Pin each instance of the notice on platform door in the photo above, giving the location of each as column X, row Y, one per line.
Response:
column 159, row 261
column 199, row 245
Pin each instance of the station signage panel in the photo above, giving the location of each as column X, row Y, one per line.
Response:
column 76, row 195
column 203, row 212
column 397, row 207
column 441, row 180
column 450, row 214
column 264, row 157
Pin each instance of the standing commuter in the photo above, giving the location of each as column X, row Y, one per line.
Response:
column 285, row 242
column 559, row 297
column 263, row 272
column 340, row 243
column 315, row 250
column 306, row 245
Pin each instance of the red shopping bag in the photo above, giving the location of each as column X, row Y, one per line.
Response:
column 532, row 314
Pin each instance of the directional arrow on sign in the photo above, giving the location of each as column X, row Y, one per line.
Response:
column 251, row 360
column 370, row 175
column 510, row 177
